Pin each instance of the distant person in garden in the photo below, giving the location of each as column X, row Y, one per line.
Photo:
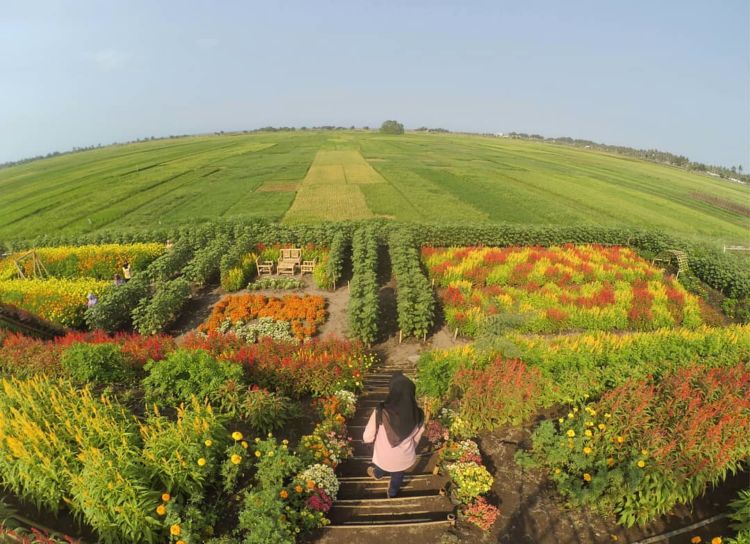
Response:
column 168, row 245
column 395, row 427
column 118, row 280
column 91, row 300
column 126, row 273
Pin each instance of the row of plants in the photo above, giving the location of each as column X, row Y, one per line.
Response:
column 269, row 283
column 204, row 266
column 510, row 379
column 334, row 267
column 304, row 314
column 99, row 262
column 649, row 444
column 415, row 300
column 460, row 459
column 558, row 289
column 61, row 301
column 237, row 266
column 364, row 302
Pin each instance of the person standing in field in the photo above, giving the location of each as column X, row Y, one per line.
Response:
column 395, row 426
column 126, row 273
column 91, row 300
column 118, row 280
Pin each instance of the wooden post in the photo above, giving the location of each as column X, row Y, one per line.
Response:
column 455, row 334
column 400, row 335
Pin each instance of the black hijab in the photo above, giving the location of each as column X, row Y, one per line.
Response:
column 399, row 414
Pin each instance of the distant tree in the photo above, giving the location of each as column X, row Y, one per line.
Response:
column 739, row 168
column 391, row 127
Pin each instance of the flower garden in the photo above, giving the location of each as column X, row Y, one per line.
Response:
column 634, row 395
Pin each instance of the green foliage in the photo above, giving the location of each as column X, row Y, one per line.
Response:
column 391, row 127
column 415, row 299
column 204, row 266
column 263, row 410
column 169, row 264
column 185, row 374
column 113, row 311
column 276, row 283
column 740, row 515
column 334, row 267
column 237, row 266
column 363, row 298
column 153, row 315
column 96, row 363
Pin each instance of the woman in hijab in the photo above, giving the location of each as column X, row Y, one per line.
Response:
column 395, row 426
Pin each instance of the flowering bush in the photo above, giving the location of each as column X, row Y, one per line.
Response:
column 265, row 327
column 650, row 444
column 317, row 367
column 341, row 402
column 101, row 262
column 95, row 363
column 480, row 513
column 264, row 410
column 435, row 432
column 321, row 477
column 558, row 289
column 61, row 301
column 304, row 313
column 471, row 479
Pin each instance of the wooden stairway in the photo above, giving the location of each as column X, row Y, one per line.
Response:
column 419, row 512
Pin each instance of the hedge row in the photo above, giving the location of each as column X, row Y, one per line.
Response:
column 415, row 300
column 364, row 303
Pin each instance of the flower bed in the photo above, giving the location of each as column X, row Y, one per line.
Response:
column 557, row 289
column 650, row 444
column 90, row 261
column 61, row 301
column 303, row 313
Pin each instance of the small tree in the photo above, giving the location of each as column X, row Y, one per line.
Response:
column 392, row 127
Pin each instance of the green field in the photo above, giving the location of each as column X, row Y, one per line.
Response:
column 310, row 176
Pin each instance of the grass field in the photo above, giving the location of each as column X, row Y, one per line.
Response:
column 311, row 176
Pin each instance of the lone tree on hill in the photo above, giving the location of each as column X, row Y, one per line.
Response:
column 392, row 127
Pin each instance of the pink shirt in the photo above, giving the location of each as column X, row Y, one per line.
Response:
column 389, row 458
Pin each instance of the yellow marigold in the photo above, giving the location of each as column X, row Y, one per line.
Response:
column 270, row 454
column 257, row 453
column 696, row 539
column 285, row 441
column 283, row 494
column 601, row 426
column 165, row 497
column 201, row 462
column 175, row 530
column 588, row 433
column 208, row 443
column 610, row 461
column 607, row 416
column 587, row 450
column 620, row 439
column 587, row 476
column 570, row 415
column 557, row 471
column 310, row 484
column 298, row 488
column 716, row 540
column 180, row 542
column 560, row 420
column 237, row 435
column 571, row 433
column 161, row 510
column 641, row 463
column 644, row 452
column 244, row 444
column 589, row 424
column 235, row 459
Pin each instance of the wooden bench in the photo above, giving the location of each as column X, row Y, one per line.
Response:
column 289, row 261
column 264, row 267
column 308, row 266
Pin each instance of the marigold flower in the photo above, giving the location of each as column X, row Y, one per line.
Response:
column 161, row 510
column 610, row 461
column 716, row 540
column 588, row 433
column 201, row 462
column 235, row 459
column 208, row 443
column 641, row 463
column 237, row 435
column 571, row 433
column 270, row 454
column 570, row 415
column 557, row 471
column 696, row 539
column 180, row 542
column 620, row 439
column 589, row 424
column 257, row 453
column 560, row 420
column 601, row 426
column 587, row 450
column 644, row 452
column 310, row 484
column 244, row 444
column 283, row 494
column 587, row 476
column 175, row 530
column 165, row 497
column 298, row 488
column 607, row 416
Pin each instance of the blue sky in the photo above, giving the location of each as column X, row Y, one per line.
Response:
column 674, row 75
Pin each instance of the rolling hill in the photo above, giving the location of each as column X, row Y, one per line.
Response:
column 310, row 176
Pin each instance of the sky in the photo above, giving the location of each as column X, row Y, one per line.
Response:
column 672, row 74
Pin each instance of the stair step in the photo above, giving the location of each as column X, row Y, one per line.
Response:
column 417, row 485
column 391, row 514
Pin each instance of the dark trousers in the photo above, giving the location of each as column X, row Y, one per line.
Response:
column 397, row 478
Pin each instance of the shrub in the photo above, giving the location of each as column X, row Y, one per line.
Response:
column 264, row 410
column 480, row 513
column 96, row 363
column 204, row 265
column 471, row 480
column 740, row 515
column 187, row 373
column 155, row 314
column 115, row 306
column 276, row 283
column 237, row 265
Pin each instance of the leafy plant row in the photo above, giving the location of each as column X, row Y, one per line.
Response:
column 415, row 300
column 153, row 314
column 236, row 266
column 336, row 256
column 204, row 266
column 364, row 303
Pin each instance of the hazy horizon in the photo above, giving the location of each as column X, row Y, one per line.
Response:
column 674, row 76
